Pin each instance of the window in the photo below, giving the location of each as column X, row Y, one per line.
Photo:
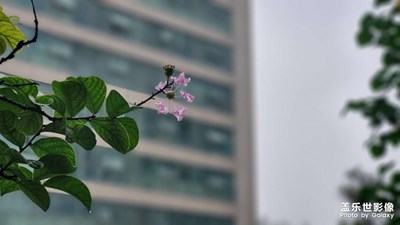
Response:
column 68, row 211
column 205, row 12
column 157, row 174
column 119, row 24
column 133, row 28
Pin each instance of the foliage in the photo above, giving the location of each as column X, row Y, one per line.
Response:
column 38, row 131
column 9, row 33
column 26, row 124
column 381, row 28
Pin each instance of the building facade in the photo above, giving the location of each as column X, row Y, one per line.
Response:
column 194, row 172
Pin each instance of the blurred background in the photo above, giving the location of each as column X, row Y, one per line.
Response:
column 307, row 66
column 264, row 142
column 198, row 171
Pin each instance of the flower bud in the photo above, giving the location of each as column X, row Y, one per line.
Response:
column 170, row 94
column 168, row 70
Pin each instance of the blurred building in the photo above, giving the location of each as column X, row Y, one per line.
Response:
column 194, row 172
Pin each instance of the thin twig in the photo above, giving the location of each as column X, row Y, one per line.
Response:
column 88, row 118
column 21, row 85
column 154, row 94
column 22, row 149
column 24, row 107
column 22, row 43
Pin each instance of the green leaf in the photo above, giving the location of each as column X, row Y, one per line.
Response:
column 9, row 107
column 29, row 123
column 73, row 93
column 116, row 105
column 84, row 136
column 96, row 89
column 367, row 21
column 132, row 129
column 73, row 187
column 56, row 127
column 69, row 134
column 21, row 172
column 53, row 145
column 28, row 87
column 72, row 123
column 27, row 173
column 396, row 178
column 3, row 45
column 16, row 95
column 14, row 20
column 53, row 165
column 15, row 137
column 381, row 2
column 367, row 192
column 8, row 120
column 112, row 132
column 382, row 80
column 55, row 102
column 391, row 58
column 377, row 150
column 10, row 155
column 3, row 16
column 364, row 37
column 11, row 33
column 8, row 94
column 8, row 186
column 15, row 156
column 3, row 145
column 392, row 137
column 383, row 23
column 384, row 168
column 36, row 192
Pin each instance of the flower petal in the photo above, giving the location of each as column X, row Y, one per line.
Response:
column 178, row 113
column 181, row 79
column 161, row 107
column 161, row 85
column 187, row 96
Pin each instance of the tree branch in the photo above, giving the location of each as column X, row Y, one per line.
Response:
column 22, row 43
column 82, row 118
column 24, row 107
column 22, row 149
column 155, row 94
column 20, row 85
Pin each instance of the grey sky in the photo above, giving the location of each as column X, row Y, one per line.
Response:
column 306, row 66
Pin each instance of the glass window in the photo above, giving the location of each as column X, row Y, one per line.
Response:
column 133, row 28
column 66, row 5
column 156, row 174
column 16, row 209
column 205, row 12
column 191, row 133
column 119, row 24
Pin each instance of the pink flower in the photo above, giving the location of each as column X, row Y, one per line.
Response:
column 170, row 93
column 178, row 113
column 162, row 108
column 187, row 96
column 161, row 85
column 181, row 79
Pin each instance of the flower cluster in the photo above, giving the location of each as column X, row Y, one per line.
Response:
column 171, row 94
